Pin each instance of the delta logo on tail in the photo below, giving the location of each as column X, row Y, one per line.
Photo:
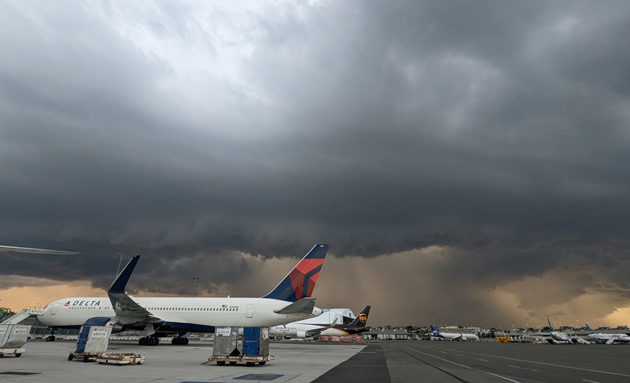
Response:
column 300, row 282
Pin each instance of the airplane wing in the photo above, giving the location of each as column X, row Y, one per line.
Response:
column 127, row 310
column 32, row 250
column 317, row 331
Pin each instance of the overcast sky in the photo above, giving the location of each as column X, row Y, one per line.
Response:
column 467, row 159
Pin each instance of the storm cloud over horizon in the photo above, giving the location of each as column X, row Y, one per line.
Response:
column 469, row 156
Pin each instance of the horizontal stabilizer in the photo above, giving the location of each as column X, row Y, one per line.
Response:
column 305, row 305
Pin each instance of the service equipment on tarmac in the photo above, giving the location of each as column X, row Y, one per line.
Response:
column 13, row 337
column 119, row 358
column 93, row 340
column 241, row 344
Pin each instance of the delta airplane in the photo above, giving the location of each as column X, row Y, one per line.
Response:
column 606, row 338
column 453, row 335
column 289, row 301
column 303, row 329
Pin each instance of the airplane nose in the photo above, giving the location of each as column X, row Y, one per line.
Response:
column 317, row 311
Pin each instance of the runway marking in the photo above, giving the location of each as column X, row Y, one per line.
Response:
column 483, row 360
column 503, row 377
column 590, row 381
column 461, row 365
column 442, row 359
column 552, row 365
column 522, row 368
column 436, row 367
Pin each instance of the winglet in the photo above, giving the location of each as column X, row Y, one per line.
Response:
column 118, row 286
column 300, row 282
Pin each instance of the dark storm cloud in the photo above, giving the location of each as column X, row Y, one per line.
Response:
column 496, row 129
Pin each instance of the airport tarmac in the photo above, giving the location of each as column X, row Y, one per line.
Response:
column 294, row 362
column 445, row 362
column 297, row 362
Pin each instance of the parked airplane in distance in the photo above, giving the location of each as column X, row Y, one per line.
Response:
column 453, row 335
column 305, row 328
column 289, row 301
column 561, row 337
column 557, row 337
column 606, row 338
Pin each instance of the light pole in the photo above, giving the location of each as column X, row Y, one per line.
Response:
column 195, row 279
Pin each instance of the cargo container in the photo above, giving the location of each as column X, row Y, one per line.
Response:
column 241, row 344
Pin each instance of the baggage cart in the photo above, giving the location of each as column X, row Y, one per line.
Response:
column 120, row 358
column 93, row 340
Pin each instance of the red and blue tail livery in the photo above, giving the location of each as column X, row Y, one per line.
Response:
column 300, row 282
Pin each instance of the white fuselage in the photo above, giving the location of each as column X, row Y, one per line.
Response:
column 300, row 328
column 211, row 312
column 296, row 330
column 560, row 336
column 608, row 338
column 458, row 336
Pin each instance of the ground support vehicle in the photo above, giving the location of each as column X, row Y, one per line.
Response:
column 120, row 358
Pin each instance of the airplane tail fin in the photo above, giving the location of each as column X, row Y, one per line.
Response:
column 361, row 320
column 300, row 281
column 119, row 284
column 550, row 327
column 590, row 329
column 436, row 333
